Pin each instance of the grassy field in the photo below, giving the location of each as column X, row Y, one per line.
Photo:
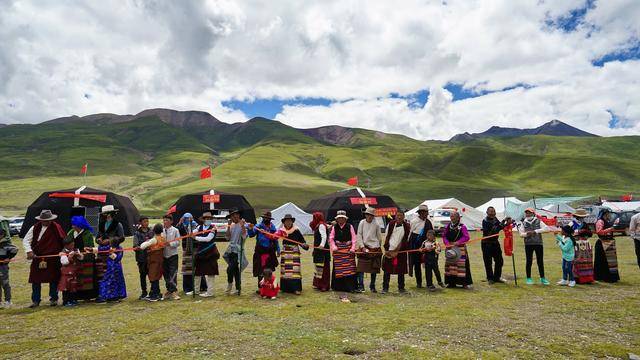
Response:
column 499, row 321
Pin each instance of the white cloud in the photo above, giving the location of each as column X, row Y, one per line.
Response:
column 132, row 55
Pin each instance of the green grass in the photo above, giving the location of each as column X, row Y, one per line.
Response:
column 596, row 321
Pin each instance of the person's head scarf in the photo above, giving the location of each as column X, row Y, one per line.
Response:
column 318, row 219
column 81, row 222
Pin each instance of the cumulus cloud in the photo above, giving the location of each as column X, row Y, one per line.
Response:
column 58, row 59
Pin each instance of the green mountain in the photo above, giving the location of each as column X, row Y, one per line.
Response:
column 155, row 156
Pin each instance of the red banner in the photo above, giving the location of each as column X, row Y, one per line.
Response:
column 363, row 201
column 208, row 199
column 94, row 197
column 386, row 211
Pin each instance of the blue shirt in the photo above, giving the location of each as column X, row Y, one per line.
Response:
column 261, row 238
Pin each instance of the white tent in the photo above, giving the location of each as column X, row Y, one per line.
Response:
column 499, row 204
column 622, row 205
column 559, row 208
column 302, row 218
column 471, row 216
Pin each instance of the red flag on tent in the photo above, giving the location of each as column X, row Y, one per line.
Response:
column 83, row 171
column 205, row 173
column 353, row 181
column 627, row 197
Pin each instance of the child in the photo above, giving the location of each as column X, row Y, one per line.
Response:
column 155, row 259
column 431, row 249
column 112, row 285
column 69, row 284
column 566, row 242
column 7, row 252
column 268, row 287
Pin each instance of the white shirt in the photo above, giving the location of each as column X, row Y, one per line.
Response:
column 396, row 237
column 417, row 224
column 634, row 226
column 26, row 242
column 170, row 234
column 323, row 235
column 369, row 234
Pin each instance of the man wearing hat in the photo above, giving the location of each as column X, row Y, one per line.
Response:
column 369, row 241
column 267, row 250
column 419, row 224
column 532, row 229
column 44, row 238
column 206, row 254
column 234, row 256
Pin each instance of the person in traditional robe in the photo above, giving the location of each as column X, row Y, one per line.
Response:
column 321, row 253
column 342, row 240
column 68, row 283
column 531, row 230
column 234, row 255
column 110, row 233
column 206, row 253
column 369, row 246
column 81, row 234
column 420, row 223
column 267, row 250
column 395, row 263
column 44, row 238
column 188, row 226
column 290, row 264
column 154, row 247
column 457, row 271
column 605, row 262
column 142, row 233
column 583, row 262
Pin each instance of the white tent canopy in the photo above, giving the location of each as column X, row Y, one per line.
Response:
column 499, row 204
column 302, row 218
column 621, row 205
column 471, row 216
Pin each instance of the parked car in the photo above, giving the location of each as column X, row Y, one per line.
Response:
column 220, row 221
column 440, row 218
column 15, row 225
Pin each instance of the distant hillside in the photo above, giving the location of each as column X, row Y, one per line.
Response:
column 155, row 156
column 552, row 128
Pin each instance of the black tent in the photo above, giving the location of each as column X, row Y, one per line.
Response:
column 83, row 201
column 214, row 201
column 353, row 202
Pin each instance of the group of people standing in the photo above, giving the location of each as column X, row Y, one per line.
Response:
column 85, row 264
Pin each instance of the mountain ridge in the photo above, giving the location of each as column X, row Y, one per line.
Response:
column 552, row 128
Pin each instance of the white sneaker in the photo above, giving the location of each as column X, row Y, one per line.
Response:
column 572, row 283
column 206, row 294
column 7, row 305
column 189, row 293
column 562, row 282
column 228, row 291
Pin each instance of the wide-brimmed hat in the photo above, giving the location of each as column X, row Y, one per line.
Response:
column 370, row 211
column 423, row 208
column 108, row 209
column 206, row 215
column 530, row 209
column 452, row 254
column 581, row 213
column 341, row 214
column 233, row 211
column 288, row 216
column 46, row 215
column 267, row 215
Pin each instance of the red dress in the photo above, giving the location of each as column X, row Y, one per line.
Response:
column 69, row 273
column 268, row 287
